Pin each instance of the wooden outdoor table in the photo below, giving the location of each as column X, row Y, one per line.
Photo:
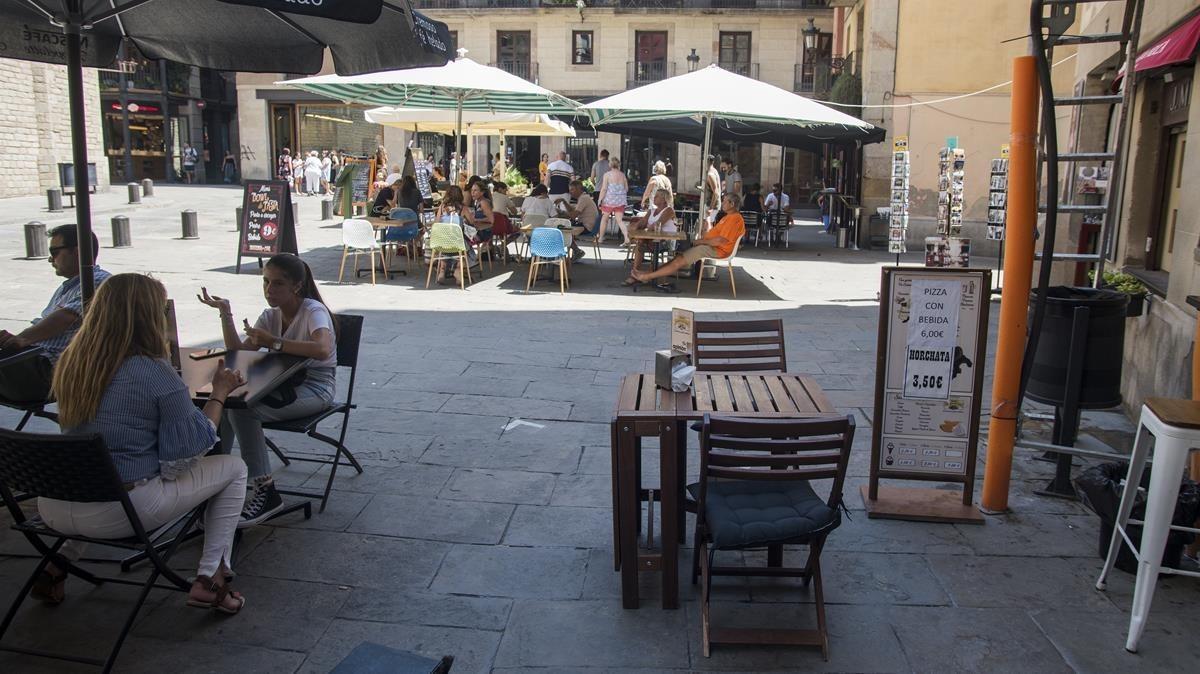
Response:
column 264, row 372
column 644, row 410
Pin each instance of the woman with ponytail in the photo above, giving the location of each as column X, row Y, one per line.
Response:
column 296, row 322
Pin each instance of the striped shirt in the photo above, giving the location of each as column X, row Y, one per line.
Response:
column 68, row 296
column 560, row 176
column 148, row 421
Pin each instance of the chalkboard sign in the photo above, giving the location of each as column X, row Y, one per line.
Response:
column 267, row 227
column 361, row 187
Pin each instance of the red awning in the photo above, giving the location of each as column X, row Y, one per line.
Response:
column 1178, row 46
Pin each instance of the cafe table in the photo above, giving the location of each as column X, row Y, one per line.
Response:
column 264, row 372
column 644, row 410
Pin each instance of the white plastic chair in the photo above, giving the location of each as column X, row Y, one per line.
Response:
column 714, row 260
column 358, row 236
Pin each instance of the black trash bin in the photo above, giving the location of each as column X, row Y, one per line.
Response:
column 1103, row 347
column 1099, row 487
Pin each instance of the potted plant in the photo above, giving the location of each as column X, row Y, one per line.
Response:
column 1128, row 284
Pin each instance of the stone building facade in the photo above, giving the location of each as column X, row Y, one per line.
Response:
column 35, row 127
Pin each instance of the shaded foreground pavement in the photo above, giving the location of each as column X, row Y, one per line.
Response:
column 470, row 535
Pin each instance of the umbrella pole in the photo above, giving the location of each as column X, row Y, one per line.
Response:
column 704, row 152
column 458, row 140
column 79, row 155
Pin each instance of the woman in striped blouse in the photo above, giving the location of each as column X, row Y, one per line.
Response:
column 114, row 379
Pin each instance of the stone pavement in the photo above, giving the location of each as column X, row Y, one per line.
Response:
column 472, row 536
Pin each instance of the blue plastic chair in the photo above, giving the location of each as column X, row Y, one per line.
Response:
column 547, row 246
column 402, row 236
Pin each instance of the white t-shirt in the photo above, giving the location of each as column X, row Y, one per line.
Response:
column 731, row 180
column 311, row 317
column 536, row 206
column 769, row 202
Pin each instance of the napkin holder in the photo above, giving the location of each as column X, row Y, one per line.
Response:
column 665, row 362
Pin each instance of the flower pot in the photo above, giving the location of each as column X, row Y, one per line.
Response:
column 1137, row 305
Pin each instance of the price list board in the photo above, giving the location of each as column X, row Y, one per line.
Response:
column 929, row 379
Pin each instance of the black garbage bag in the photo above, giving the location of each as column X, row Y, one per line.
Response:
column 1099, row 487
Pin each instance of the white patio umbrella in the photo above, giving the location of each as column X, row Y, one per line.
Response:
column 743, row 106
column 461, row 85
column 474, row 123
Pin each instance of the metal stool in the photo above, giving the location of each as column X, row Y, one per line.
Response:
column 1175, row 425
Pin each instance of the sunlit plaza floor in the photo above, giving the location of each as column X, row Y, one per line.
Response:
column 472, row 536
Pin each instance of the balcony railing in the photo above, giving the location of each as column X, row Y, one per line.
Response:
column 523, row 69
column 145, row 78
column 815, row 80
column 638, row 73
column 744, row 69
column 624, row 4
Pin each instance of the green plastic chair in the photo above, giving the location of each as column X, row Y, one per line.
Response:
column 446, row 243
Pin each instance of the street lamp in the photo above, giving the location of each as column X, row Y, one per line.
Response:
column 810, row 35
column 693, row 60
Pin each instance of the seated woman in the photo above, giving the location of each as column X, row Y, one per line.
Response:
column 409, row 196
column 538, row 203
column 660, row 218
column 296, row 322
column 114, row 379
column 478, row 212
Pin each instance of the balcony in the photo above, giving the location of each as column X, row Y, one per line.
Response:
column 145, row 79
column 744, row 69
column 523, row 69
column 816, row 80
column 639, row 73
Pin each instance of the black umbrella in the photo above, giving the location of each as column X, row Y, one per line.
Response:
column 287, row 36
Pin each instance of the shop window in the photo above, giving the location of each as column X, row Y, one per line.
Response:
column 581, row 47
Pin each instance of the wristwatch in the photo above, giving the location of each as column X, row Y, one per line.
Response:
column 277, row 345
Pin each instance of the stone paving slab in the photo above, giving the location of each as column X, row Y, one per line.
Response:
column 481, row 526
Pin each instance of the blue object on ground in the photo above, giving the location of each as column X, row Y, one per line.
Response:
column 372, row 658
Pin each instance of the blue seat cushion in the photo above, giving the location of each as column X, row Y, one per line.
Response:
column 751, row 513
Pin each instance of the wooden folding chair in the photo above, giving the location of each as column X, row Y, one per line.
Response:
column 755, row 492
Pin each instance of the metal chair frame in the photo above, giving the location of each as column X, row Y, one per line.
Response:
column 349, row 337
column 78, row 468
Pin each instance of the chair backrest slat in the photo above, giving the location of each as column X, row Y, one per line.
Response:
column 781, row 474
column 64, row 467
column 760, row 346
column 735, row 448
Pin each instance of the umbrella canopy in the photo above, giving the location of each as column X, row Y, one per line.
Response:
column 249, row 35
column 461, row 84
column 713, row 102
column 741, row 109
column 474, row 123
column 245, row 35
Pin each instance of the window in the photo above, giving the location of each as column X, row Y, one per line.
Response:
column 513, row 53
column 735, row 53
column 453, row 44
column 581, row 47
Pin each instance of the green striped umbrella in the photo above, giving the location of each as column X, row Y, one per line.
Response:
column 459, row 85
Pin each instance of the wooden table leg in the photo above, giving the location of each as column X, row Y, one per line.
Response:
column 616, row 500
column 628, row 496
column 671, row 508
column 681, row 436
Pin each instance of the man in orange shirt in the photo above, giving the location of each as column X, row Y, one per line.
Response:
column 718, row 242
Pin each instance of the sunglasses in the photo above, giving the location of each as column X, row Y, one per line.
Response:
column 55, row 250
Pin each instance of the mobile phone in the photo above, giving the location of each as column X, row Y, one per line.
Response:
column 208, row 353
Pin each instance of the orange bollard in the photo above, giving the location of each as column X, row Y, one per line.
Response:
column 1018, row 277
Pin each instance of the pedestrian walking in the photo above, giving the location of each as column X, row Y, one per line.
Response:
column 229, row 167
column 312, row 174
column 326, row 171
column 283, row 166
column 189, row 163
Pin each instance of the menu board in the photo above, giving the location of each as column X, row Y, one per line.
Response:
column 933, row 332
column 267, row 227
column 898, row 212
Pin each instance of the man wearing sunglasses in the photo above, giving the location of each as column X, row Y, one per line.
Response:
column 27, row 379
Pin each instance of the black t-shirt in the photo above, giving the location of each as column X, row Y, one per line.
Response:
column 383, row 199
column 411, row 200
